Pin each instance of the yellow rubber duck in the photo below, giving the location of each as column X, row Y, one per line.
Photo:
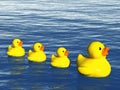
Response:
column 96, row 64
column 16, row 49
column 61, row 60
column 37, row 55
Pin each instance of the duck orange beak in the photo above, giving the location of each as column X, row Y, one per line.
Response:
column 66, row 53
column 105, row 51
column 20, row 43
column 42, row 48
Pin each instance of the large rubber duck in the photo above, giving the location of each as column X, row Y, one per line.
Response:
column 96, row 64
column 37, row 54
column 60, row 60
column 16, row 49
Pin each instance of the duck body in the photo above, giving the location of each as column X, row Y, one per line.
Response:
column 96, row 64
column 16, row 52
column 16, row 49
column 93, row 67
column 37, row 55
column 60, row 60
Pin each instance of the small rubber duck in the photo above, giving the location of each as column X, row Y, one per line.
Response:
column 37, row 55
column 61, row 60
column 96, row 64
column 16, row 49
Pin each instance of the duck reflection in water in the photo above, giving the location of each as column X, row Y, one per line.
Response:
column 18, row 65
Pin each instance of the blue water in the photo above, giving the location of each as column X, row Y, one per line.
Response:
column 69, row 23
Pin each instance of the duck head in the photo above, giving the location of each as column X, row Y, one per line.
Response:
column 97, row 49
column 38, row 47
column 17, row 42
column 61, row 52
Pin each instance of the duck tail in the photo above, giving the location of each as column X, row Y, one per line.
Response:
column 80, row 59
column 9, row 47
column 52, row 57
column 29, row 52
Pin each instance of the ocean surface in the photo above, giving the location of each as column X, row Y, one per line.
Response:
column 69, row 23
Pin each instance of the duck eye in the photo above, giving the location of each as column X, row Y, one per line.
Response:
column 62, row 51
column 39, row 46
column 17, row 42
column 99, row 48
